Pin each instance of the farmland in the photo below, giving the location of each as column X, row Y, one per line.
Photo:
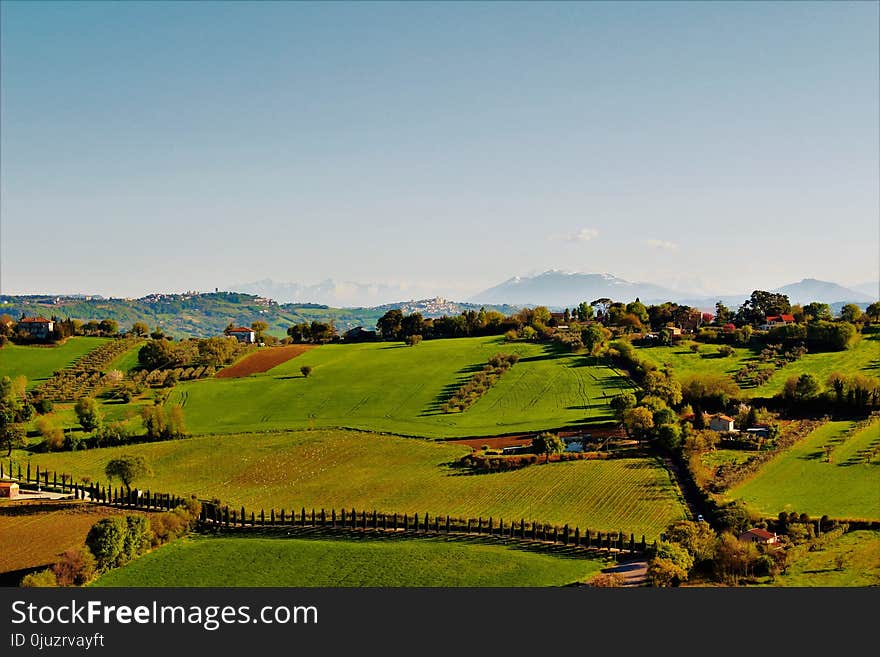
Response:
column 801, row 480
column 38, row 363
column 330, row 468
column 263, row 361
column 363, row 562
column 391, row 387
column 34, row 534
column 850, row 560
column 862, row 357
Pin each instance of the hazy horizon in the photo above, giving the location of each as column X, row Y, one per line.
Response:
column 440, row 148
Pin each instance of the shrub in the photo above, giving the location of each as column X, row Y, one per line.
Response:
column 40, row 579
column 75, row 568
column 306, row 370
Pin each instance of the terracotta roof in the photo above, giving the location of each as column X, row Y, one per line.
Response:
column 7, row 484
column 760, row 533
column 784, row 318
column 35, row 320
column 241, row 329
column 721, row 416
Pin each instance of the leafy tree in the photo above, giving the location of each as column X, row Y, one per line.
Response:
column 413, row 324
column 306, row 370
column 594, row 337
column 669, row 436
column 639, row 422
column 137, row 536
column 88, row 414
column 714, row 390
column 698, row 538
column 665, row 572
column 108, row 326
column 216, row 351
column 723, row 314
column 106, row 541
column 873, row 311
column 585, row 311
column 15, row 410
column 850, row 313
column 157, row 354
column 803, row 387
column 413, row 340
column 638, row 309
column 622, row 403
column 127, row 468
column 816, row 311
column 390, row 324
column 140, row 329
column 760, row 305
column 548, row 443
column 664, row 386
column 259, row 327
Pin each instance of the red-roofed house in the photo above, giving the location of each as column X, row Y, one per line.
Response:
column 243, row 334
column 772, row 321
column 36, row 327
column 758, row 535
column 721, row 422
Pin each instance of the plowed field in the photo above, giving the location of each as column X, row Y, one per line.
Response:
column 263, row 360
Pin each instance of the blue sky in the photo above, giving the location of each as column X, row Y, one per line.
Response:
column 442, row 147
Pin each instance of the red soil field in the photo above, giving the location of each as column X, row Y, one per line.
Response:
column 524, row 439
column 263, row 360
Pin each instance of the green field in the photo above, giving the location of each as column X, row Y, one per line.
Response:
column 801, row 480
column 352, row 562
column 335, row 469
column 863, row 357
column 391, row 387
column 38, row 363
column 726, row 457
column 860, row 564
column 126, row 361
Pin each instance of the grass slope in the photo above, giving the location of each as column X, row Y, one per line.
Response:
column 863, row 357
column 38, row 363
column 861, row 563
column 391, row 387
column 206, row 561
column 801, row 480
column 126, row 361
column 330, row 468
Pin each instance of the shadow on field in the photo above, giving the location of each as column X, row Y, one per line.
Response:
column 390, row 536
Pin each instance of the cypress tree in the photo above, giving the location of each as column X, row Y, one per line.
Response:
column 577, row 536
column 644, row 544
column 469, row 526
column 263, row 517
column 272, row 516
column 333, row 518
column 555, row 534
column 242, row 516
column 252, row 519
column 54, row 477
column 375, row 520
column 405, row 523
column 447, row 524
column 565, row 535
column 323, row 518
column 313, row 516
column 632, row 543
column 394, row 520
column 363, row 519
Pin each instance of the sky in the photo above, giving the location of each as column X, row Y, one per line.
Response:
column 439, row 148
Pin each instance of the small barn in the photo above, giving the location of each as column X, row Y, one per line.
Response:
column 758, row 535
column 8, row 490
column 721, row 422
column 242, row 334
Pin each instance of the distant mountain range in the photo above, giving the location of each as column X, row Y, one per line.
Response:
column 566, row 289
column 331, row 293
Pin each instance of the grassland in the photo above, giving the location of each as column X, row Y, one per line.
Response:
column 391, row 387
column 38, row 362
column 126, row 361
column 36, row 533
column 859, row 553
column 863, row 357
column 330, row 468
column 725, row 457
column 367, row 562
column 801, row 480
